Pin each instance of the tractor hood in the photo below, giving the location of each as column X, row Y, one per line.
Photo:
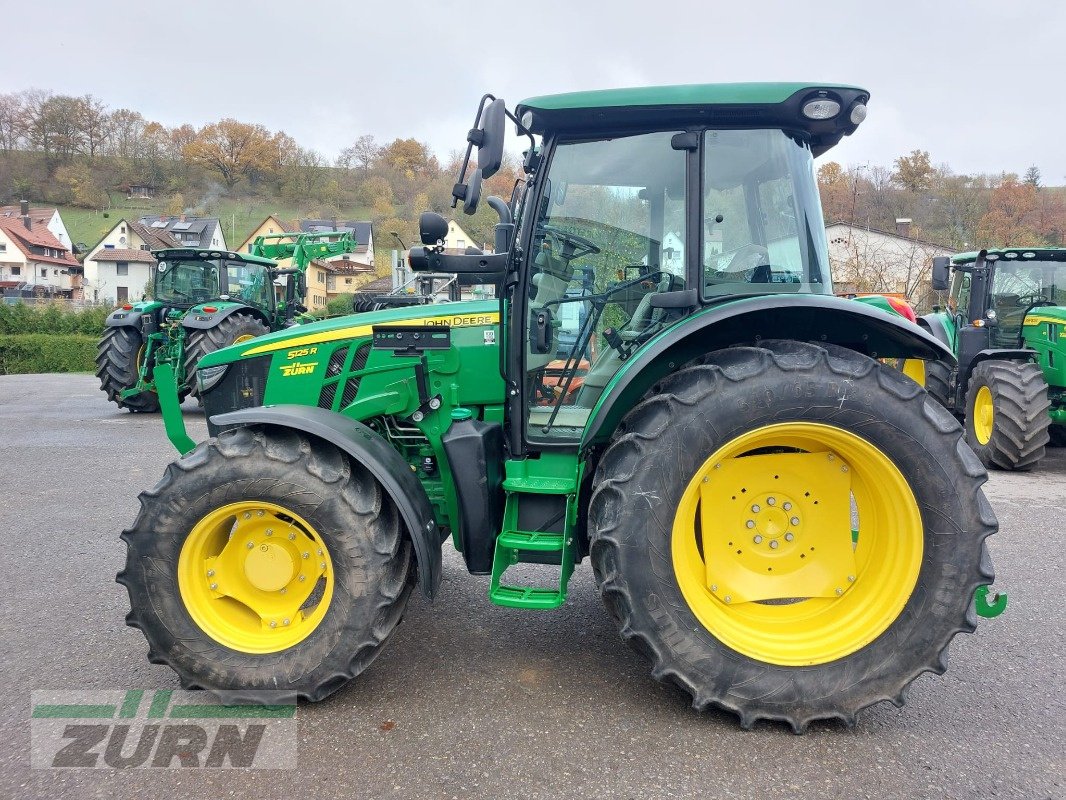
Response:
column 354, row 326
column 1054, row 314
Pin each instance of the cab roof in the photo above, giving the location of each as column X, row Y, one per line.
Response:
column 734, row 105
column 210, row 254
column 1015, row 253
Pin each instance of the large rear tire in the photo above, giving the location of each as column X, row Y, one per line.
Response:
column 118, row 364
column 1007, row 414
column 264, row 561
column 736, row 475
column 233, row 329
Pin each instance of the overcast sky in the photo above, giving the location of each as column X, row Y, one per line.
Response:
column 978, row 84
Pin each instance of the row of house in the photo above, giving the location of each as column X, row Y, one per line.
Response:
column 35, row 254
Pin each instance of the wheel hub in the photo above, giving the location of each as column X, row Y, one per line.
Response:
column 268, row 567
column 793, row 541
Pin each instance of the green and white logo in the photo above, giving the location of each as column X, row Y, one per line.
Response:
column 163, row 729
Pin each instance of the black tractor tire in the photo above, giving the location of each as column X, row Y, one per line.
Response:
column 1057, row 435
column 372, row 559
column 938, row 382
column 201, row 341
column 663, row 442
column 116, row 367
column 1020, row 423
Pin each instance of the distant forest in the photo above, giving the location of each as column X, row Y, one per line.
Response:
column 76, row 151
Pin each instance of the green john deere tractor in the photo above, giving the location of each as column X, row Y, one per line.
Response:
column 787, row 528
column 1006, row 324
column 202, row 301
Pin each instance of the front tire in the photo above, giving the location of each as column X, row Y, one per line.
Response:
column 233, row 329
column 845, row 443
column 118, row 365
column 1007, row 414
column 264, row 561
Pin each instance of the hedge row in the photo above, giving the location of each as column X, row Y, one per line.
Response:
column 42, row 352
column 52, row 318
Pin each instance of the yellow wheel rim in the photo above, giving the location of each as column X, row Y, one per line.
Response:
column 797, row 543
column 914, row 368
column 244, row 337
column 255, row 577
column 983, row 415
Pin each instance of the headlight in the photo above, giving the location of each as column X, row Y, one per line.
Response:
column 208, row 377
column 821, row 108
column 858, row 113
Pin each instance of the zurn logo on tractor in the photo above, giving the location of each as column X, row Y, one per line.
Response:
column 784, row 525
column 165, row 729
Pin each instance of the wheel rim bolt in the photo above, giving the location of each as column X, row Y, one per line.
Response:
column 787, row 506
column 303, row 577
column 789, row 537
column 270, row 531
column 795, row 520
column 851, row 579
column 771, row 500
column 758, row 540
column 281, row 591
column 714, row 587
column 728, row 599
column 839, row 591
column 251, row 545
column 750, row 523
column 273, row 624
column 247, row 515
column 292, row 536
column 773, row 544
column 307, row 555
column 260, row 513
column 285, row 622
column 210, row 573
column 214, row 586
column 320, row 551
column 755, row 508
column 322, row 565
column 843, row 469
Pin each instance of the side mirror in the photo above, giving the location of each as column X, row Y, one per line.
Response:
column 941, row 272
column 490, row 148
column 433, row 228
column 473, row 193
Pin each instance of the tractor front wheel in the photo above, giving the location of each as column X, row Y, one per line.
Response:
column 1007, row 414
column 790, row 532
column 234, row 329
column 265, row 561
column 118, row 366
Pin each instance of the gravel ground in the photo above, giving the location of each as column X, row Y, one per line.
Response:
column 471, row 700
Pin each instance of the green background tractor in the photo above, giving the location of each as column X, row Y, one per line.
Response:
column 1006, row 324
column 785, row 527
column 202, row 301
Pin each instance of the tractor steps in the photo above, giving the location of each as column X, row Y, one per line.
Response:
column 511, row 548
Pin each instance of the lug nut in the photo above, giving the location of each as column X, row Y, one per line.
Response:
column 728, row 599
column 285, row 622
column 706, row 479
column 851, row 579
column 789, row 537
column 755, row 508
column 843, row 469
column 714, row 587
column 758, row 540
column 750, row 523
column 292, row 536
column 787, row 506
column 307, row 555
column 795, row 520
column 434, row 403
column 771, row 500
column 260, row 513
column 281, row 591
column 320, row 551
column 303, row 577
column 322, row 565
column 251, row 545
column 832, row 457
column 210, row 573
column 273, row 624
column 773, row 544
column 839, row 591
column 214, row 586
column 270, row 531
column 247, row 515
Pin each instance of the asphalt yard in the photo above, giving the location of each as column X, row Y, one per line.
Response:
column 472, row 700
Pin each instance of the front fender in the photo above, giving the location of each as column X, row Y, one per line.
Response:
column 121, row 318
column 376, row 455
column 807, row 318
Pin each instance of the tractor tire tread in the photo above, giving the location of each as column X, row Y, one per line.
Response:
column 116, row 367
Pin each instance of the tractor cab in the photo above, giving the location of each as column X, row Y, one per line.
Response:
column 187, row 278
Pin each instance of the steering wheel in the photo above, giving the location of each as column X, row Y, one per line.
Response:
column 747, row 259
column 578, row 243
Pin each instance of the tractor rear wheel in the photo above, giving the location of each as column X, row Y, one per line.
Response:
column 790, row 532
column 1007, row 414
column 118, row 366
column 265, row 561
column 234, row 329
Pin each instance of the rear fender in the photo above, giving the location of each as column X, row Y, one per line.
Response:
column 808, row 318
column 377, row 456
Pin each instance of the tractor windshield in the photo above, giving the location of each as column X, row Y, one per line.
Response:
column 1018, row 287
column 187, row 282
